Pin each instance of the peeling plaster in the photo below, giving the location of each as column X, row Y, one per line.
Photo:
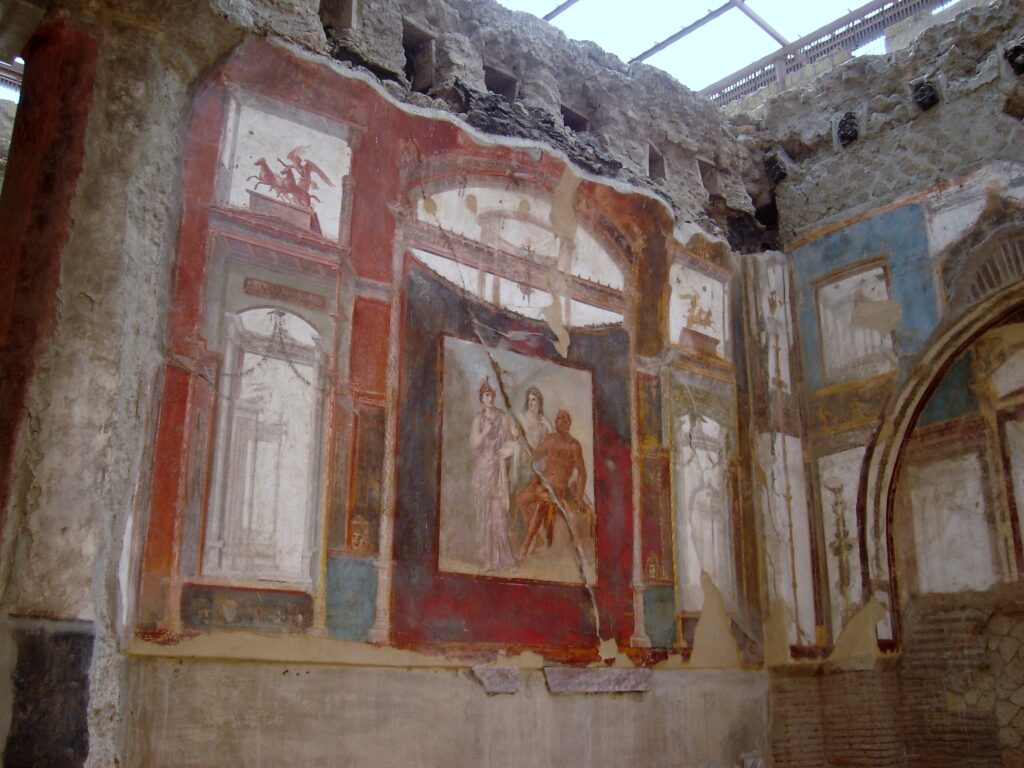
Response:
column 714, row 644
column 563, row 205
column 881, row 316
column 776, row 634
column 858, row 640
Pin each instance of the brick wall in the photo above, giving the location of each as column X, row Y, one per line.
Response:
column 859, row 715
column 954, row 697
column 822, row 717
column 795, row 719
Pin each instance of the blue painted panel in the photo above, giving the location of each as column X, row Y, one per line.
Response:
column 351, row 597
column 899, row 234
column 660, row 615
column 954, row 396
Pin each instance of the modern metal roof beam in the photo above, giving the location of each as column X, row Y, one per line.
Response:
column 559, row 9
column 711, row 16
column 847, row 32
column 777, row 36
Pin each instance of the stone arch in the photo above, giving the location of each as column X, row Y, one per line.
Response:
column 991, row 292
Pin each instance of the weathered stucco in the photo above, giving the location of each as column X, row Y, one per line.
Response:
column 201, row 713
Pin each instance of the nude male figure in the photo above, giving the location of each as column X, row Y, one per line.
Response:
column 564, row 472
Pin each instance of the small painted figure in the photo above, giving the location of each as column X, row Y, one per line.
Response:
column 294, row 182
column 492, row 438
column 536, row 427
column 301, row 180
column 564, row 472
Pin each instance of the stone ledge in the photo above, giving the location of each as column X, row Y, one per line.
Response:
column 569, row 680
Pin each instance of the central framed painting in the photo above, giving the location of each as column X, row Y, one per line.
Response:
column 517, row 466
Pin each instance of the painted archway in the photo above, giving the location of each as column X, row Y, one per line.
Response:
column 992, row 290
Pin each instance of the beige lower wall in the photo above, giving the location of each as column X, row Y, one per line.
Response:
column 211, row 713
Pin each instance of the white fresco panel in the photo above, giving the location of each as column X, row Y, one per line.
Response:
column 839, row 476
column 264, row 489
column 1009, row 377
column 702, row 511
column 853, row 347
column 279, row 161
column 520, row 223
column 952, row 211
column 787, row 537
column 952, row 536
column 773, row 309
column 698, row 310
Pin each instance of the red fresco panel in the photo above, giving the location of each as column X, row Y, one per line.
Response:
column 382, row 139
column 368, row 356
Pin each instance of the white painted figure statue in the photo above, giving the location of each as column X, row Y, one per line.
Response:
column 535, row 428
column 492, row 438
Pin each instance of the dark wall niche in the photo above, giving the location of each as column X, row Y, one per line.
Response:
column 49, row 721
column 767, row 215
column 419, row 56
column 709, row 176
column 573, row 120
column 338, row 14
column 501, row 83
column 776, row 168
column 655, row 163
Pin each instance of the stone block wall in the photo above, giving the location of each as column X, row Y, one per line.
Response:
column 970, row 125
column 1003, row 686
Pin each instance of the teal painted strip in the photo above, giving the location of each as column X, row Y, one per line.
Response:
column 351, row 597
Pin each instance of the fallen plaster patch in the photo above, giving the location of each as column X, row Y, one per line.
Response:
column 880, row 316
column 609, row 649
column 857, row 645
column 563, row 205
column 563, row 223
column 553, row 315
column 714, row 644
column 587, row 680
column 776, row 634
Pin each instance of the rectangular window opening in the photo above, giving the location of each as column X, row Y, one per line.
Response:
column 501, row 83
column 573, row 120
column 419, row 57
column 338, row 14
column 655, row 163
column 708, row 176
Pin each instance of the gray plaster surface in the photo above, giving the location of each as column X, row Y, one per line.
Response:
column 193, row 714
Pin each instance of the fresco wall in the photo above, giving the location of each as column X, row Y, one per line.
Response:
column 436, row 393
column 427, row 417
column 871, row 298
